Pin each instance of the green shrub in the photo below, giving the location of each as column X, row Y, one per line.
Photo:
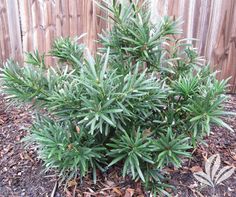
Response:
column 142, row 102
column 63, row 148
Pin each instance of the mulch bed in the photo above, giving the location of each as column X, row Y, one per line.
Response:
column 222, row 142
column 21, row 173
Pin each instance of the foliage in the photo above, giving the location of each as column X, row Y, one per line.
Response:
column 136, row 152
column 61, row 147
column 169, row 149
column 67, row 50
column 24, row 84
column 35, row 59
column 143, row 101
column 133, row 37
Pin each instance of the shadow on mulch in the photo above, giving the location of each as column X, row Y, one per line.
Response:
column 21, row 172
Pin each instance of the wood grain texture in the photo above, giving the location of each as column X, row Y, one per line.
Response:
column 27, row 25
column 4, row 30
column 38, row 24
column 14, row 29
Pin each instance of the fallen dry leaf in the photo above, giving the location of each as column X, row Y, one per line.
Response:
column 129, row 192
column 71, row 183
column 169, row 170
column 195, row 169
column 26, row 156
column 117, row 191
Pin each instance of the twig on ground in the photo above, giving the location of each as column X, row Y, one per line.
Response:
column 54, row 189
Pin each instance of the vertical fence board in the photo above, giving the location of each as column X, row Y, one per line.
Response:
column 88, row 16
column 73, row 18
column 5, row 37
column 59, row 18
column 50, row 24
column 65, row 17
column 79, row 8
column 224, row 46
column 14, row 29
column 38, row 25
column 26, row 24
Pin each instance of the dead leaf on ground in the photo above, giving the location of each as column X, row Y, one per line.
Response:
column 71, row 183
column 129, row 192
column 169, row 170
column 26, row 156
column 195, row 169
column 117, row 191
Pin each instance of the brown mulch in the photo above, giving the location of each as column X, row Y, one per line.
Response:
column 20, row 170
column 21, row 173
column 222, row 142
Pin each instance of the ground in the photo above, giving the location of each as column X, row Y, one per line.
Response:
column 21, row 173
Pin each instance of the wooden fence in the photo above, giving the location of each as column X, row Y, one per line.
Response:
column 26, row 25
